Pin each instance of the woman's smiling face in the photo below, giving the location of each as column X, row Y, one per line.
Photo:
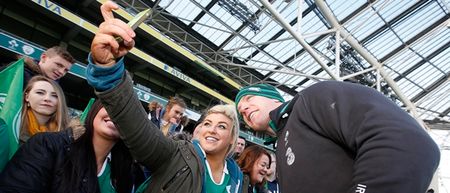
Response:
column 215, row 134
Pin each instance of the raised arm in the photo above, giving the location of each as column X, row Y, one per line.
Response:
column 106, row 73
column 104, row 48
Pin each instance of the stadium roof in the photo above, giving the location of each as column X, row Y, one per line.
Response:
column 405, row 41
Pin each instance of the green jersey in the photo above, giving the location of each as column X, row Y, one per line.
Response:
column 104, row 178
column 213, row 187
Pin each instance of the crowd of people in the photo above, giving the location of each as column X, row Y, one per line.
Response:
column 331, row 137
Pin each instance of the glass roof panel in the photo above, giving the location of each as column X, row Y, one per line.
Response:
column 442, row 60
column 418, row 61
column 226, row 17
column 410, row 90
column 437, row 100
column 204, row 3
column 282, row 78
column 306, row 85
column 306, row 64
column 391, row 9
column 240, row 47
column 433, row 41
column 179, row 10
column 310, row 23
column 288, row 10
column 237, row 42
column 364, row 24
column 383, row 44
column 262, row 61
column 287, row 79
column 342, row 9
column 425, row 75
column 212, row 29
column 311, row 81
column 295, row 80
column 419, row 21
column 403, row 61
column 283, row 49
column 269, row 29
column 286, row 97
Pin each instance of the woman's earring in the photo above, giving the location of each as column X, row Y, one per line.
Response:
column 28, row 104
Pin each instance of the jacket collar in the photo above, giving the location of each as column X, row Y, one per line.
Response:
column 278, row 119
column 235, row 172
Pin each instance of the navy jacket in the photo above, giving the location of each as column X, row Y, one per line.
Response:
column 336, row 137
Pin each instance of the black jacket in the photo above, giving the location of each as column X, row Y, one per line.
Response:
column 38, row 164
column 336, row 137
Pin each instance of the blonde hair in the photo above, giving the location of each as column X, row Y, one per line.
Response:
column 175, row 101
column 230, row 112
column 60, row 117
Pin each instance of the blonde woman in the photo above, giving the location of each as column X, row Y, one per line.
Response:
column 44, row 108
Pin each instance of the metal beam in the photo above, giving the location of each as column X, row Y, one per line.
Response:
column 369, row 58
column 177, row 30
column 219, row 57
column 321, row 37
column 282, row 31
column 201, row 14
column 239, row 30
column 300, row 40
column 293, row 72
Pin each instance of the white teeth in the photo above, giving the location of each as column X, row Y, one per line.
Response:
column 211, row 139
column 251, row 115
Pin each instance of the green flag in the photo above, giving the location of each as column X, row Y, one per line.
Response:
column 11, row 91
column 86, row 110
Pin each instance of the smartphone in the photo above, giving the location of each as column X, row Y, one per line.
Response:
column 136, row 21
column 139, row 18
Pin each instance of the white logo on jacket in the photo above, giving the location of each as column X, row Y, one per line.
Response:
column 290, row 156
column 360, row 188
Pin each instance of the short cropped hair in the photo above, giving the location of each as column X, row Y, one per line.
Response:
column 60, row 51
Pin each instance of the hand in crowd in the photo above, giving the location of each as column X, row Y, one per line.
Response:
column 105, row 49
column 174, row 121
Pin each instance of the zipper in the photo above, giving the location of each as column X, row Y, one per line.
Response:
column 181, row 171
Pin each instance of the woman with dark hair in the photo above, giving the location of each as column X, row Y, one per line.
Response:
column 254, row 162
column 95, row 161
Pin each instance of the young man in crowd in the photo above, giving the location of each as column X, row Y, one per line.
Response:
column 341, row 137
column 54, row 63
column 239, row 147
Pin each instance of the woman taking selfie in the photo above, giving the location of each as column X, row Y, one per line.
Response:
column 89, row 158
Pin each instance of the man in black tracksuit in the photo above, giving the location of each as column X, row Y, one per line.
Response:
column 337, row 137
